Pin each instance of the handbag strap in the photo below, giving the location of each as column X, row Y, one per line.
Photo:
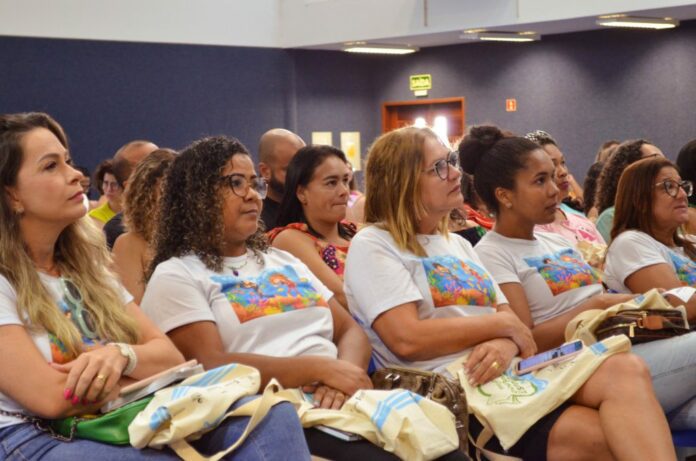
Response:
column 257, row 409
column 483, row 438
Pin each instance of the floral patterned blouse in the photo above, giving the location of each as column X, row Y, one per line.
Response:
column 333, row 255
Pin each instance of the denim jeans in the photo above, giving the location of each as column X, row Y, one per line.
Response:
column 672, row 364
column 278, row 436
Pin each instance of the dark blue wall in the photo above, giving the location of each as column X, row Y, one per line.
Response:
column 582, row 88
column 107, row 93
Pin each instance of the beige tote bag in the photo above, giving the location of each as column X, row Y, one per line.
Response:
column 509, row 405
column 184, row 412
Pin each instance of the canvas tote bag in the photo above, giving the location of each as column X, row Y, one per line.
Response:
column 509, row 405
column 184, row 412
column 400, row 421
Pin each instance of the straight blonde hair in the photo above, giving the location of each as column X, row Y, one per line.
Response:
column 392, row 186
column 80, row 255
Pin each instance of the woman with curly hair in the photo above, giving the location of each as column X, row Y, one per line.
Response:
column 311, row 224
column 590, row 189
column 71, row 335
column 132, row 251
column 625, row 154
column 223, row 295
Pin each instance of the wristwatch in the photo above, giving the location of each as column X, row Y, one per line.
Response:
column 127, row 351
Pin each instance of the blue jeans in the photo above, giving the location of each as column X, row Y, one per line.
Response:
column 672, row 364
column 278, row 436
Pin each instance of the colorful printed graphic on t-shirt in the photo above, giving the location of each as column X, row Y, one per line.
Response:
column 564, row 270
column 685, row 269
column 73, row 309
column 274, row 291
column 454, row 281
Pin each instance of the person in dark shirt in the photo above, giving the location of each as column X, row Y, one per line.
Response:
column 124, row 162
column 276, row 148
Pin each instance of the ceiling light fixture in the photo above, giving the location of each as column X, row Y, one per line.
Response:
column 637, row 22
column 373, row 48
column 518, row 37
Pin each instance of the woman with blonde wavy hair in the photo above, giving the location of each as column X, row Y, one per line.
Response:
column 132, row 250
column 424, row 299
column 71, row 335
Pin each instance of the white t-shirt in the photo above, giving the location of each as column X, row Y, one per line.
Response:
column 553, row 274
column 276, row 308
column 633, row 250
column 50, row 347
column 449, row 282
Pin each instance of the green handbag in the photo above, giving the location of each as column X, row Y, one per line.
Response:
column 111, row 428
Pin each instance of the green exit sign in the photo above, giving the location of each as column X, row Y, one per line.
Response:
column 421, row 82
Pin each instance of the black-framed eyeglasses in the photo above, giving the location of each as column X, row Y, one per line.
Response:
column 441, row 167
column 79, row 315
column 672, row 187
column 240, row 185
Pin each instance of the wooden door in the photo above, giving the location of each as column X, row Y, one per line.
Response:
column 398, row 114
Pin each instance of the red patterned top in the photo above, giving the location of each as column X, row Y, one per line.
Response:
column 333, row 255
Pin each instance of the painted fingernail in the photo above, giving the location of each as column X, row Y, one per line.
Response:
column 67, row 394
column 75, row 400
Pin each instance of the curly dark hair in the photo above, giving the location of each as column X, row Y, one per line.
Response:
column 590, row 185
column 628, row 152
column 140, row 204
column 191, row 205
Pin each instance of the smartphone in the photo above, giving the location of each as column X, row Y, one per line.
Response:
column 559, row 354
column 338, row 433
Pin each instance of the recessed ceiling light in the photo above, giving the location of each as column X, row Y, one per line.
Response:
column 373, row 48
column 518, row 37
column 637, row 22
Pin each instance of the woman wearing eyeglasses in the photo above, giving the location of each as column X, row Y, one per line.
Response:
column 71, row 336
column 425, row 298
column 650, row 248
column 222, row 295
column 311, row 223
column 543, row 276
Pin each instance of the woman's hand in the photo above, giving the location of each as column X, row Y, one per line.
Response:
column 343, row 376
column 325, row 396
column 489, row 360
column 93, row 374
column 520, row 334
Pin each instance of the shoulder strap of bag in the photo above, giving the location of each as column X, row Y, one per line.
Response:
column 257, row 409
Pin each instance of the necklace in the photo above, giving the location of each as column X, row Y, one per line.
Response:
column 235, row 269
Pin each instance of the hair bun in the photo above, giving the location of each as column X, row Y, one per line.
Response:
column 486, row 135
column 475, row 145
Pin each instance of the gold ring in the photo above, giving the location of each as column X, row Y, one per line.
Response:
column 101, row 377
column 495, row 365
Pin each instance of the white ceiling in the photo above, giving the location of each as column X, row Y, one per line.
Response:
column 317, row 24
